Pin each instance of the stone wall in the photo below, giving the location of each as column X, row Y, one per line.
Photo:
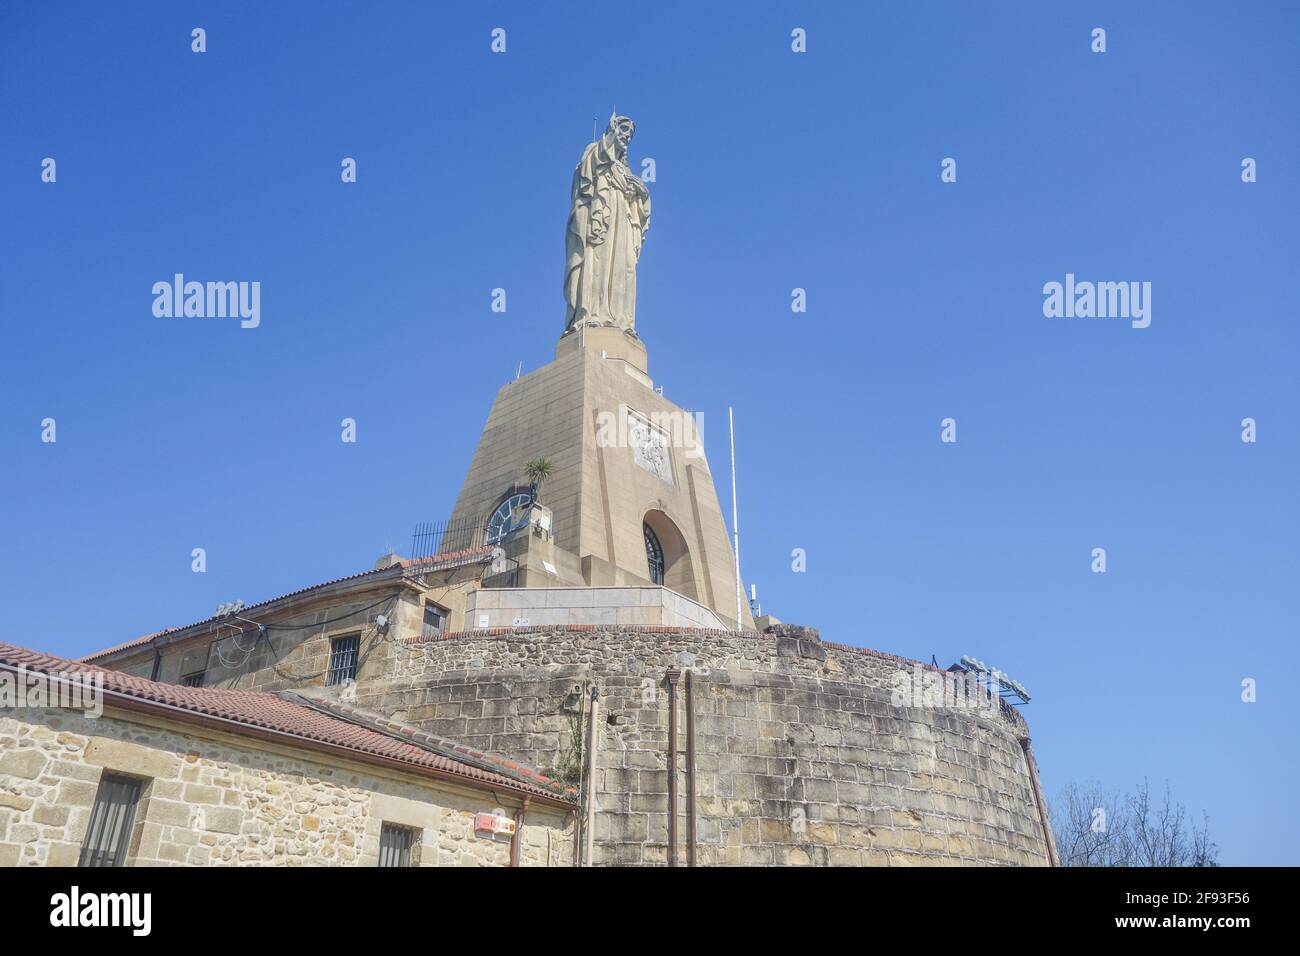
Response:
column 296, row 651
column 648, row 605
column 219, row 801
column 802, row 756
column 295, row 648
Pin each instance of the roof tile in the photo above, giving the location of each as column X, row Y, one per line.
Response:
column 274, row 712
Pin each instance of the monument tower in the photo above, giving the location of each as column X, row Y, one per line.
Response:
column 630, row 503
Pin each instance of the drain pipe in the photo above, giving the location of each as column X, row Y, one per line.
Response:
column 691, row 838
column 671, row 754
column 1048, row 840
column 589, row 791
column 517, row 837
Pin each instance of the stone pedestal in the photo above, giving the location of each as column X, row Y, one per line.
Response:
column 625, row 459
column 623, row 349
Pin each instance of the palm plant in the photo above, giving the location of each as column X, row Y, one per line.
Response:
column 538, row 470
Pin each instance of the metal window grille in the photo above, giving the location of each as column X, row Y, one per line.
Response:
column 109, row 834
column 192, row 680
column 395, row 845
column 435, row 620
column 343, row 659
column 654, row 555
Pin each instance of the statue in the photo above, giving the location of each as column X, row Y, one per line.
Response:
column 609, row 215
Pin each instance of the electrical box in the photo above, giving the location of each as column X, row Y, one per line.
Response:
column 493, row 824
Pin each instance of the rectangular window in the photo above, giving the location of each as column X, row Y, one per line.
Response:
column 192, row 665
column 343, row 659
column 395, row 845
column 435, row 620
column 111, row 819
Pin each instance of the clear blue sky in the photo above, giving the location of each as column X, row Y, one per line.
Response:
column 775, row 170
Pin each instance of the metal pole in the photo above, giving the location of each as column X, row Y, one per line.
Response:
column 690, row 772
column 671, row 678
column 517, row 838
column 735, row 518
column 1048, row 841
column 589, row 797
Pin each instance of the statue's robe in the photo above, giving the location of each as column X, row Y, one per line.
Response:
column 607, row 222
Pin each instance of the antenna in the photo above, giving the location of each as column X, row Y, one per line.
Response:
column 519, row 369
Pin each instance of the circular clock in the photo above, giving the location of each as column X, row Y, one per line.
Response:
column 511, row 515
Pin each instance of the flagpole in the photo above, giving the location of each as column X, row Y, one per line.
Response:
column 735, row 518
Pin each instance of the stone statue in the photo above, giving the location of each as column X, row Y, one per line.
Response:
column 608, row 219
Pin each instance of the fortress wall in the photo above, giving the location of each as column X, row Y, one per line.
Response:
column 802, row 758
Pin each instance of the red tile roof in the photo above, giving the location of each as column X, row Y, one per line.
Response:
column 435, row 562
column 279, row 717
column 449, row 748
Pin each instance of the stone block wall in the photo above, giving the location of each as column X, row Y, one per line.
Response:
column 219, row 801
column 803, row 757
column 296, row 652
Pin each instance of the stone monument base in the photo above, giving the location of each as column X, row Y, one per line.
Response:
column 614, row 345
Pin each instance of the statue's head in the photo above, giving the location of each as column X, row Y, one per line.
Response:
column 622, row 129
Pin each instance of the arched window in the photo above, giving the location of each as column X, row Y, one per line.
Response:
column 654, row 555
column 667, row 558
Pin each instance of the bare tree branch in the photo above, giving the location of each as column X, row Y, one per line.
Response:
column 1095, row 827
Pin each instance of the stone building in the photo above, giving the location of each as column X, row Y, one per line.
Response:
column 159, row 774
column 802, row 752
column 590, row 629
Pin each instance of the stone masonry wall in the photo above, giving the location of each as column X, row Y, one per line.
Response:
column 219, row 801
column 296, row 652
column 802, row 758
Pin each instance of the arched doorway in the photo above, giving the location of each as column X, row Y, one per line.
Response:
column 668, row 560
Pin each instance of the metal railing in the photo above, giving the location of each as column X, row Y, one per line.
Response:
column 441, row 537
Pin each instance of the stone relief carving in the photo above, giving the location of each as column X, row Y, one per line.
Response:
column 649, row 448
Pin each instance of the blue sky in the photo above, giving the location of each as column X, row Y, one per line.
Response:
column 774, row 171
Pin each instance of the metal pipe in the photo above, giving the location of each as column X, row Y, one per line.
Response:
column 691, row 838
column 517, row 837
column 671, row 678
column 589, row 791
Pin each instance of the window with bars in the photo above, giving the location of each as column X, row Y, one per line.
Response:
column 435, row 620
column 111, row 819
column 192, row 680
column 395, row 845
column 343, row 659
